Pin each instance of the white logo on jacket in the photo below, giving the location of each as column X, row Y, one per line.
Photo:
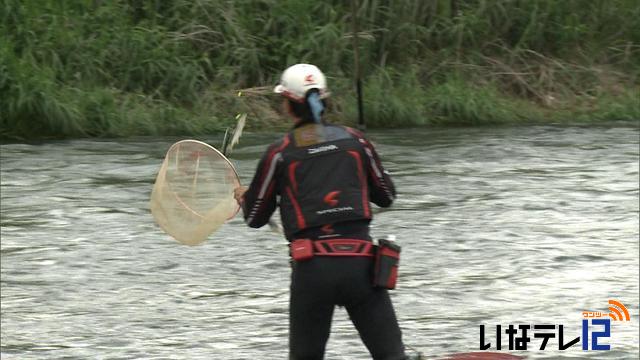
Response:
column 321, row 149
column 335, row 210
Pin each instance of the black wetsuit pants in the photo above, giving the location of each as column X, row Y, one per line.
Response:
column 321, row 283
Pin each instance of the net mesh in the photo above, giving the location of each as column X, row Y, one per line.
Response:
column 193, row 193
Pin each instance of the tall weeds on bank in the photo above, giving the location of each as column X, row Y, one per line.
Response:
column 133, row 67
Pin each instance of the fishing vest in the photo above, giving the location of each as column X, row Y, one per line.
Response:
column 324, row 178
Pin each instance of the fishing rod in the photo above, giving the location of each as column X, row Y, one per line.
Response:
column 361, row 124
column 356, row 59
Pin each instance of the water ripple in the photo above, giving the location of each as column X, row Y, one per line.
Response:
column 498, row 226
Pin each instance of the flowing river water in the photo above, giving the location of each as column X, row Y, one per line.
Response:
column 518, row 225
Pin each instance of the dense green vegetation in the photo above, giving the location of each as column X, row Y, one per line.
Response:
column 134, row 67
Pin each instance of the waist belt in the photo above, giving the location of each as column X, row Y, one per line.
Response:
column 343, row 247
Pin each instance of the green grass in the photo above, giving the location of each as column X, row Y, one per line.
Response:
column 78, row 68
column 607, row 107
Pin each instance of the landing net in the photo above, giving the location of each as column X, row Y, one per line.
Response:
column 193, row 193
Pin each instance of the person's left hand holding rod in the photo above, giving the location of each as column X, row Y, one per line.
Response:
column 238, row 193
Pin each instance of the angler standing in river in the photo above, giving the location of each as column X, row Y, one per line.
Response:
column 325, row 177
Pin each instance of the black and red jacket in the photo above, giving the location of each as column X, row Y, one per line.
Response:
column 323, row 175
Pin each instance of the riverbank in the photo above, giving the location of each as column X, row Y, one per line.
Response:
column 128, row 68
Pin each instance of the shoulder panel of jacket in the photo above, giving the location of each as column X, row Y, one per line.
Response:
column 260, row 200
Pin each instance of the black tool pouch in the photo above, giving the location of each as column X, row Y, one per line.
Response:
column 385, row 271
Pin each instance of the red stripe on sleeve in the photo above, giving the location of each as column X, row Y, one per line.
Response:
column 363, row 182
column 292, row 175
column 301, row 222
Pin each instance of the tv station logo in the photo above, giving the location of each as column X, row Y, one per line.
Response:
column 617, row 312
column 596, row 326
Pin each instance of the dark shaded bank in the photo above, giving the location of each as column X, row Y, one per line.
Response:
column 80, row 68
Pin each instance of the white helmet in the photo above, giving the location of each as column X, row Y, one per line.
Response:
column 296, row 80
